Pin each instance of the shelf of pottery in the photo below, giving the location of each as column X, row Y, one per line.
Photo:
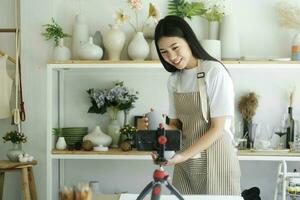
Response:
column 112, row 41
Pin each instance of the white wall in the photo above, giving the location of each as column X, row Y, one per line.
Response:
column 260, row 36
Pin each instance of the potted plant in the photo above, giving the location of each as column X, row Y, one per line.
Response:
column 128, row 135
column 16, row 138
column 112, row 101
column 214, row 15
column 184, row 9
column 54, row 31
column 61, row 142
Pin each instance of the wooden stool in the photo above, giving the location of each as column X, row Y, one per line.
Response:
column 28, row 184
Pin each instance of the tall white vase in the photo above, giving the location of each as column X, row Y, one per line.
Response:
column 61, row 52
column 138, row 48
column 80, row 35
column 213, row 31
column 229, row 36
column 212, row 47
column 114, row 40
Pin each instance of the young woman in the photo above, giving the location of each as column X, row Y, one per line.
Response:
column 201, row 100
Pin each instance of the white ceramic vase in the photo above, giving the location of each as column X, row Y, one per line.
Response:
column 114, row 40
column 80, row 35
column 97, row 137
column 61, row 143
column 61, row 52
column 90, row 51
column 212, row 47
column 230, row 41
column 153, row 51
column 154, row 119
column 213, row 31
column 138, row 48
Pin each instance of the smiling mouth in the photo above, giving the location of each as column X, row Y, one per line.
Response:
column 177, row 61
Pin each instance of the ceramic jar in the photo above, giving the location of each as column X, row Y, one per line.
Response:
column 138, row 48
column 97, row 137
column 13, row 154
column 90, row 51
column 154, row 119
column 61, row 143
column 114, row 40
column 60, row 52
column 296, row 47
column 80, row 35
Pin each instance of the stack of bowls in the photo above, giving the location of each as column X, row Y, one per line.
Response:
column 74, row 135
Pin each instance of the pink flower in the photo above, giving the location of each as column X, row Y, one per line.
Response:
column 135, row 4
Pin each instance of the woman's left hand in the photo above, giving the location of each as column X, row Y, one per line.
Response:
column 177, row 158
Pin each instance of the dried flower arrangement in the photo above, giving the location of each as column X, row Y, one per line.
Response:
column 247, row 105
column 289, row 15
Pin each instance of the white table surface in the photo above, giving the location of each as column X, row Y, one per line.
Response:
column 186, row 197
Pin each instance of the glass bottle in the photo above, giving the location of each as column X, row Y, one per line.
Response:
column 290, row 127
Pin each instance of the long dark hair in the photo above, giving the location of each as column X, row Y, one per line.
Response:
column 174, row 26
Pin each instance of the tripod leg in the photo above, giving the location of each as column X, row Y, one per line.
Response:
column 156, row 191
column 173, row 190
column 145, row 191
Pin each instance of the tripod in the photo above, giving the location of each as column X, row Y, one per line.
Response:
column 160, row 176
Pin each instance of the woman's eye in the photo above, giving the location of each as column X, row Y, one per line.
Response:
column 174, row 48
column 163, row 52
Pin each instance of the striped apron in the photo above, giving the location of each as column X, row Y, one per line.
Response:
column 214, row 171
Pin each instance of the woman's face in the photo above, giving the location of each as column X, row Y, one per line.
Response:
column 176, row 52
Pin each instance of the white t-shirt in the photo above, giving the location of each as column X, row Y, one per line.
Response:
column 219, row 87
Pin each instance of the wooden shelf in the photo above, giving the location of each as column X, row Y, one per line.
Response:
column 158, row 62
column 115, row 153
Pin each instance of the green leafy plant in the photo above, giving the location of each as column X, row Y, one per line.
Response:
column 15, row 137
column 183, row 8
column 215, row 13
column 57, row 132
column 128, row 131
column 54, row 31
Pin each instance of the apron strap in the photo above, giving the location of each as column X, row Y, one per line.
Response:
column 203, row 92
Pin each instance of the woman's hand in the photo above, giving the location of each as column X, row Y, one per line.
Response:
column 177, row 158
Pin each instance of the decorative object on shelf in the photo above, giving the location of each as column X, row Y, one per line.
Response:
column 214, row 15
column 128, row 134
column 212, row 47
column 296, row 47
column 90, row 51
column 112, row 101
column 73, row 136
column 153, row 51
column 229, row 36
column 98, row 39
column 25, row 158
column 80, row 192
column 137, row 25
column 16, row 138
column 247, row 106
column 291, row 122
column 87, row 145
column 138, row 48
column 154, row 119
column 80, row 34
column 61, row 52
column 97, row 137
column 289, row 17
column 54, row 31
column 191, row 12
column 61, row 142
column 114, row 40
column 183, row 8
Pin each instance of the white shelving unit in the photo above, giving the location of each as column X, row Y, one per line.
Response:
column 54, row 86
